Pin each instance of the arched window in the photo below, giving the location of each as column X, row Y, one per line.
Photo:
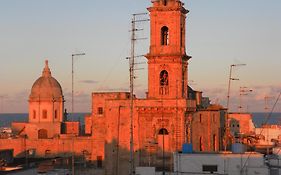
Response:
column 164, row 82
column 164, row 36
column 42, row 134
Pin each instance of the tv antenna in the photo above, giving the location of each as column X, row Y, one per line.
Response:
column 132, row 77
column 72, row 79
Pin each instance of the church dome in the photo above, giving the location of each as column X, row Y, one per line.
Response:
column 46, row 87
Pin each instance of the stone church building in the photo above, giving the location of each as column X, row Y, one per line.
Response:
column 172, row 114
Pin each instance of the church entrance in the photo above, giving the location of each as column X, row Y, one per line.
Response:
column 163, row 140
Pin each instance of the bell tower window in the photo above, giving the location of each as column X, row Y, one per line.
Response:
column 164, row 36
column 164, row 82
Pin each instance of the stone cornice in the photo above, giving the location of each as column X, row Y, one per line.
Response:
column 183, row 56
column 167, row 8
column 155, row 109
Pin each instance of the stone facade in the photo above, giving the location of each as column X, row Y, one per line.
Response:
column 208, row 129
column 168, row 117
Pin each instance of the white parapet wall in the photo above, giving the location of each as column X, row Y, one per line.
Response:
column 145, row 170
column 220, row 163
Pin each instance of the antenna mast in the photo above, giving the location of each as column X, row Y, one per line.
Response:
column 132, row 77
column 226, row 134
column 72, row 106
column 132, row 66
column 72, row 79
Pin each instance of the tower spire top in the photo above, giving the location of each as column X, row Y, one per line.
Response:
column 46, row 71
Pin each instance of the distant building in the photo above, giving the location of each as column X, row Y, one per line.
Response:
column 241, row 123
column 207, row 129
column 46, row 134
column 262, row 139
column 46, row 107
column 269, row 136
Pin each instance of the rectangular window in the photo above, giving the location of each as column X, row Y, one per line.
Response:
column 56, row 114
column 200, row 118
column 34, row 114
column 200, row 144
column 210, row 168
column 45, row 114
column 100, row 110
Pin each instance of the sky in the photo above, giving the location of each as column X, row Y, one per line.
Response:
column 219, row 33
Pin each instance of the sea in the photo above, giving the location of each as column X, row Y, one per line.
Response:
column 7, row 119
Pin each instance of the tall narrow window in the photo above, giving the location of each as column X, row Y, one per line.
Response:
column 56, row 114
column 200, row 144
column 34, row 114
column 181, row 37
column 164, row 78
column 214, row 142
column 200, row 118
column 100, row 110
column 164, row 36
column 164, row 82
column 164, row 2
column 45, row 114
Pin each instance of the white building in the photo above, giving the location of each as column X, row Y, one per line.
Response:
column 269, row 135
column 227, row 163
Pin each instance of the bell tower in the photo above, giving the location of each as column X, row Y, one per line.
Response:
column 167, row 59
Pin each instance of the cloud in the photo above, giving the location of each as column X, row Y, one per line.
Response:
column 89, row 81
column 271, row 91
column 253, row 101
column 113, row 89
column 16, row 102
